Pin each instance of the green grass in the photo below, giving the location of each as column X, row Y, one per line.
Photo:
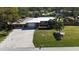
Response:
column 45, row 38
column 3, row 35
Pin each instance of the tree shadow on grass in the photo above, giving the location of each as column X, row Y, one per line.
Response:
column 57, row 36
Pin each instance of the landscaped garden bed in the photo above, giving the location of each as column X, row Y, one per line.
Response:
column 3, row 35
column 45, row 38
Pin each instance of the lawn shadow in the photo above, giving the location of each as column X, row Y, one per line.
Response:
column 57, row 36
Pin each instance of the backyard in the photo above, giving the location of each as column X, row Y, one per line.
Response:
column 45, row 38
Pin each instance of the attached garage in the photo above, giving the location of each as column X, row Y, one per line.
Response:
column 31, row 25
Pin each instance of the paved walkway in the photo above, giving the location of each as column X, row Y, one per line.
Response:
column 19, row 38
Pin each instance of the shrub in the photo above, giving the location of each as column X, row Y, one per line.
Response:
column 52, row 23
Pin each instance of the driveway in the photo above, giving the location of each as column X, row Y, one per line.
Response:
column 19, row 38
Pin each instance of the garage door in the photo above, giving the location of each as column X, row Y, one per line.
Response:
column 31, row 25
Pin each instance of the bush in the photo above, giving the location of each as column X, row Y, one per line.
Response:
column 69, row 21
column 52, row 23
column 2, row 34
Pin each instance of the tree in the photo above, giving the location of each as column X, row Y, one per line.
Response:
column 59, row 24
column 24, row 12
column 8, row 15
column 11, row 14
column 56, row 23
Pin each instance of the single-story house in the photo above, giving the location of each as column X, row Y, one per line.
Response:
column 33, row 22
column 41, row 21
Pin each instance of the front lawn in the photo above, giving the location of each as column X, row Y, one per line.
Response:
column 3, row 35
column 45, row 38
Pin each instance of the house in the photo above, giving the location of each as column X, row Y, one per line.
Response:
column 34, row 22
column 40, row 22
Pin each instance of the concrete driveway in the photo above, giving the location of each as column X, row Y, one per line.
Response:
column 19, row 38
